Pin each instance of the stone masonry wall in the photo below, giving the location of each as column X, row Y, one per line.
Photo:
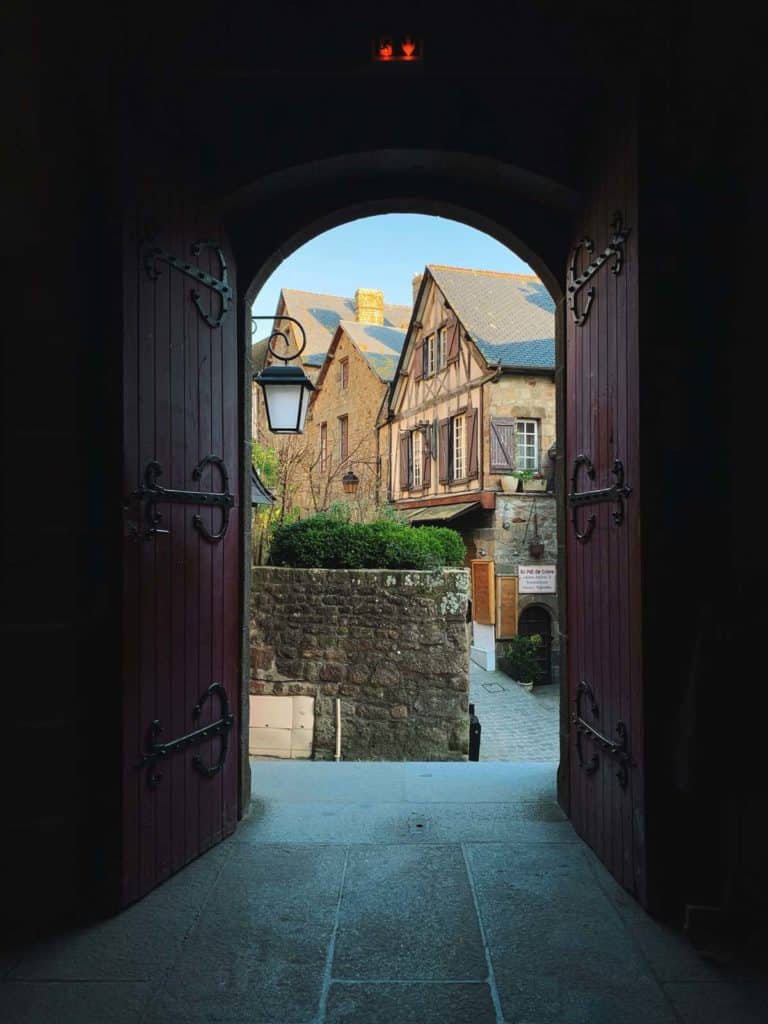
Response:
column 393, row 645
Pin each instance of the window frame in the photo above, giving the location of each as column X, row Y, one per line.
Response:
column 429, row 355
column 522, row 456
column 344, row 373
column 324, row 447
column 416, row 456
column 343, row 438
column 458, row 464
column 441, row 348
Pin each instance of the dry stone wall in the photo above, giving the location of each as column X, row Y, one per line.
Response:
column 392, row 645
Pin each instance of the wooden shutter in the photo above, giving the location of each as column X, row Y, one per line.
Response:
column 503, row 443
column 426, row 457
column 405, row 460
column 453, row 341
column 472, row 459
column 444, row 452
column 418, row 360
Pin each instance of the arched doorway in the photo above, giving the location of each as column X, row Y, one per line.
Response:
column 535, row 218
column 536, row 620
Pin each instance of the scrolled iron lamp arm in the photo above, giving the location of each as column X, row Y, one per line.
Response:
column 276, row 333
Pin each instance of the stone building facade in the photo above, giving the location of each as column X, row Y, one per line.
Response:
column 392, row 646
column 473, row 403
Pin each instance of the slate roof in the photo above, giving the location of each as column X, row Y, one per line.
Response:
column 510, row 317
column 381, row 346
column 321, row 314
column 259, row 353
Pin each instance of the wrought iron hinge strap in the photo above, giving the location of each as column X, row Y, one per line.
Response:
column 221, row 285
column 615, row 494
column 617, row 748
column 614, row 250
column 220, row 727
column 151, row 493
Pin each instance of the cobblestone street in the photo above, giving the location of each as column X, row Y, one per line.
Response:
column 516, row 725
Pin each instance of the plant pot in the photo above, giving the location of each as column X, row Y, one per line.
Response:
column 535, row 485
column 509, row 484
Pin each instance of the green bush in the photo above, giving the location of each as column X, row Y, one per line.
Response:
column 521, row 654
column 329, row 541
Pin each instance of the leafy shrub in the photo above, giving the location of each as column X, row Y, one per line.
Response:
column 329, row 540
column 521, row 654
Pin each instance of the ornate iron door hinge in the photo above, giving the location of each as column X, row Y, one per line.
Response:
column 151, row 493
column 157, row 751
column 578, row 499
column 153, row 253
column 614, row 250
column 617, row 748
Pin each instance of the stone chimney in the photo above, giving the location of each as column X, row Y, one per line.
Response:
column 416, row 284
column 369, row 306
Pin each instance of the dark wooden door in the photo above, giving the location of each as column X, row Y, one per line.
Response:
column 181, row 601
column 603, row 537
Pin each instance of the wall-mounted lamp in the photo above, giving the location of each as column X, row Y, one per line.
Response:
column 286, row 388
column 350, row 482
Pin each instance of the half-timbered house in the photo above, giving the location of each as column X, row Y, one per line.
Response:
column 472, row 405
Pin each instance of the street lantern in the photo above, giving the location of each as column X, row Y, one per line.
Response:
column 349, row 482
column 286, row 388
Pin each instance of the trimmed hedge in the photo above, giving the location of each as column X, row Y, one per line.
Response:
column 326, row 541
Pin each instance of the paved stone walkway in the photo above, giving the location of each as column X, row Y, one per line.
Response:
column 374, row 893
column 516, row 725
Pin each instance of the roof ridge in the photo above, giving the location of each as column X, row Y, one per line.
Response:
column 345, row 298
column 491, row 273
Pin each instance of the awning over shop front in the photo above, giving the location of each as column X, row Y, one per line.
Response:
column 439, row 513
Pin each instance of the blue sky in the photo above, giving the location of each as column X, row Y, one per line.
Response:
column 384, row 252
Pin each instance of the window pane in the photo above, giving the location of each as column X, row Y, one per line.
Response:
column 416, row 438
column 458, row 447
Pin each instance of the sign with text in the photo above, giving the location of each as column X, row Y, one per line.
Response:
column 483, row 593
column 537, row 579
column 506, row 607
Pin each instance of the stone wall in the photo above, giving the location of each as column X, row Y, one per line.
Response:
column 392, row 645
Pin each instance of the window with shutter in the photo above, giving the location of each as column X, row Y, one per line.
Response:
column 323, row 447
column 453, row 341
column 444, row 452
column 471, row 444
column 426, row 458
column 405, row 460
column 503, row 444
column 418, row 361
column 343, row 438
column 416, row 457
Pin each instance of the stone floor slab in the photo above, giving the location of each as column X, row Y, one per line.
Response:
column 719, row 1002
column 478, row 782
column 391, row 1003
column 259, row 952
column 558, row 950
column 408, row 913
column 84, row 1002
column 135, row 945
column 407, row 823
column 330, row 781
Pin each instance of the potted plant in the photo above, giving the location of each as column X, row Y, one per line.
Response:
column 534, row 481
column 521, row 659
